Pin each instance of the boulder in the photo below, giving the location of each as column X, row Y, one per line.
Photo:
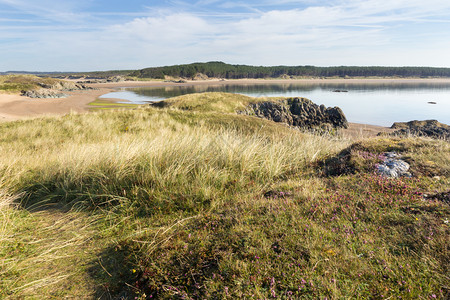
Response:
column 394, row 168
column 65, row 86
column 428, row 128
column 276, row 112
column 299, row 112
column 116, row 79
column 54, row 89
column 43, row 93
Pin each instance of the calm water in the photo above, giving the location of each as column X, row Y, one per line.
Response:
column 377, row 104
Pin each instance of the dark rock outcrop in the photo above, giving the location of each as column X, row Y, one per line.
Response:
column 85, row 81
column 428, row 128
column 54, row 89
column 43, row 93
column 299, row 112
column 65, row 86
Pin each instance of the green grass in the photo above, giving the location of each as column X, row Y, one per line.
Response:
column 18, row 83
column 194, row 201
column 100, row 104
column 210, row 102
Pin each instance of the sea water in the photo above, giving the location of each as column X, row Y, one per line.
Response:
column 376, row 104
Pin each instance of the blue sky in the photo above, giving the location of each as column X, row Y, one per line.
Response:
column 84, row 35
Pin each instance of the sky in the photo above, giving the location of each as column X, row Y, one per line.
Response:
column 88, row 35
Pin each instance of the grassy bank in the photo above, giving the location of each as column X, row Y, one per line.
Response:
column 19, row 83
column 194, row 201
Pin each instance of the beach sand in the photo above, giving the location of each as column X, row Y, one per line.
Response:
column 15, row 107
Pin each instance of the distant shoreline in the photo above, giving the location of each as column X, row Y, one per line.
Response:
column 160, row 83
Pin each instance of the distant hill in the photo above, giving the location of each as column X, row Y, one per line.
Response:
column 222, row 70
column 217, row 69
column 92, row 74
column 32, row 73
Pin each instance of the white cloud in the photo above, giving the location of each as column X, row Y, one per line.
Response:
column 60, row 11
column 45, row 5
column 350, row 32
column 176, row 28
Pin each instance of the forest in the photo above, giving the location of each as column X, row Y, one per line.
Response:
column 228, row 71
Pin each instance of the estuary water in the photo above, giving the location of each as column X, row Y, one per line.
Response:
column 373, row 103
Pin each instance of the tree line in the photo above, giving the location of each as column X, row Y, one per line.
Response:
column 228, row 71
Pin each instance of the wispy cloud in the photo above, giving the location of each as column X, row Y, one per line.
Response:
column 353, row 32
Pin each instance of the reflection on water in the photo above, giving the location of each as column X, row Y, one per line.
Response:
column 281, row 89
column 379, row 104
column 173, row 91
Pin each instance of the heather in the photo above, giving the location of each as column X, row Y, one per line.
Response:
column 193, row 201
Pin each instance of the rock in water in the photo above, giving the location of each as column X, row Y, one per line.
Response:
column 298, row 112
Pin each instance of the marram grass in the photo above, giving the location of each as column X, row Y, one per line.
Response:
column 189, row 203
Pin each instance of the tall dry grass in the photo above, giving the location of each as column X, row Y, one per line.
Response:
column 101, row 156
column 123, row 163
column 41, row 253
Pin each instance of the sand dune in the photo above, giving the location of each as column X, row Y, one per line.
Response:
column 15, row 107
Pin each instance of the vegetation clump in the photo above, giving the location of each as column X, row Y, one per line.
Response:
column 195, row 201
column 37, row 87
column 18, row 83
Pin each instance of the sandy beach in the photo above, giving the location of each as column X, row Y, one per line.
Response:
column 15, row 107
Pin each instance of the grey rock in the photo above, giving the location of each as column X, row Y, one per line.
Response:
column 43, row 93
column 65, row 86
column 427, row 128
column 92, row 81
column 391, row 155
column 55, row 89
column 299, row 112
column 115, row 79
column 393, row 166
